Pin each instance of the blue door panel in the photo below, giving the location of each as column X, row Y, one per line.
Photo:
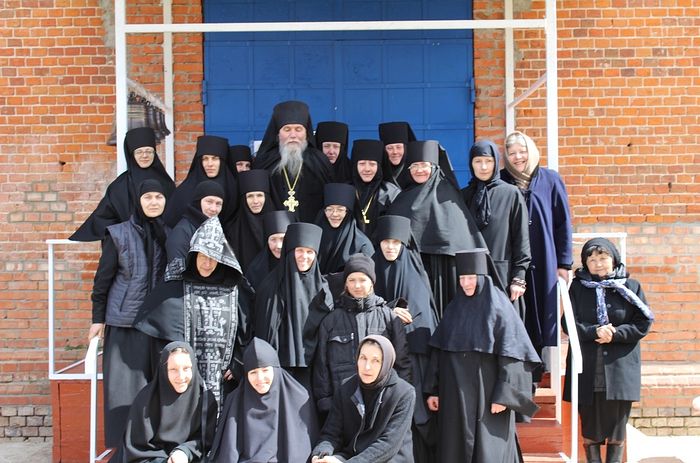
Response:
column 361, row 78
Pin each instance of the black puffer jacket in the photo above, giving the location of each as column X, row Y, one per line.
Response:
column 338, row 339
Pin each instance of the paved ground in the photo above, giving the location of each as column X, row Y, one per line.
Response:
column 641, row 449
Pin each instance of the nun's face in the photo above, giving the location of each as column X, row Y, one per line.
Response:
column 211, row 164
column 179, row 371
column 358, row 285
column 367, row 170
column 292, row 133
column 274, row 242
column 152, row 204
column 600, row 263
column 255, row 201
column 211, row 205
column 390, row 249
column 468, row 284
column 369, row 362
column 261, row 379
column 304, row 258
column 332, row 150
column 335, row 214
column 144, row 156
column 205, row 265
column 518, row 156
column 394, row 152
column 242, row 166
column 483, row 167
column 420, row 171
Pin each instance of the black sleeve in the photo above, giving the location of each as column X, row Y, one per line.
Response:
column 638, row 327
column 402, row 365
column 321, row 380
column 514, row 387
column 519, row 239
column 432, row 373
column 104, row 276
column 332, row 433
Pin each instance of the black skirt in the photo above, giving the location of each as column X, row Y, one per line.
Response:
column 126, row 367
column 604, row 419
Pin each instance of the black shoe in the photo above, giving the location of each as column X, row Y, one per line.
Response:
column 613, row 453
column 592, row 453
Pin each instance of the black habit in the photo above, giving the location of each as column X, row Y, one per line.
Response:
column 278, row 426
column 337, row 132
column 273, row 222
column 162, row 420
column 121, row 198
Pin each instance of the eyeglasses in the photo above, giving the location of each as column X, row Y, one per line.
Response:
column 143, row 151
column 336, row 210
column 421, row 166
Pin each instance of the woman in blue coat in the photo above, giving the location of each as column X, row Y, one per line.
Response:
column 550, row 235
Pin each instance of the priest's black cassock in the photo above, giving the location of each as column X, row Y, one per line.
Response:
column 337, row 132
column 338, row 244
column 404, row 281
column 440, row 221
column 481, row 355
column 290, row 304
column 501, row 215
column 274, row 222
column 206, row 145
column 210, row 313
column 245, row 230
column 121, row 197
column 316, row 171
column 373, row 197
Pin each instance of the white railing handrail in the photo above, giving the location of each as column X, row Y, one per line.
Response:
column 91, row 369
column 576, row 362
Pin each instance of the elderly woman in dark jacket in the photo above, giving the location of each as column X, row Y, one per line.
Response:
column 372, row 412
column 612, row 316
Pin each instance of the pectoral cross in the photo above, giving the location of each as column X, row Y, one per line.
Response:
column 291, row 203
column 364, row 218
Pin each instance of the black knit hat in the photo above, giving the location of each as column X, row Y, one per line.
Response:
column 302, row 235
column 393, row 227
column 360, row 263
column 340, row 194
column 423, row 151
column 369, row 150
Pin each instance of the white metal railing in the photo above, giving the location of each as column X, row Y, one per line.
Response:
column 574, row 342
column 90, row 361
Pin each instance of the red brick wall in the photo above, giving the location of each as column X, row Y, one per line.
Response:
column 629, row 136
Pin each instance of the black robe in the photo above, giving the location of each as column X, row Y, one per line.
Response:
column 338, row 244
column 184, row 193
column 506, row 233
column 211, row 314
column 481, row 355
column 162, row 420
column 121, row 198
column 373, row 199
column 289, row 307
column 277, row 426
column 260, row 267
column 442, row 226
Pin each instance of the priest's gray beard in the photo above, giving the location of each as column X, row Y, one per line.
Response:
column 291, row 158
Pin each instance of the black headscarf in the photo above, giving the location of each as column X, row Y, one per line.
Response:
column 405, row 278
column 161, row 419
column 245, row 230
column 277, row 426
column 238, row 153
column 194, row 213
column 206, row 145
column 154, row 230
column 121, row 199
column 331, row 131
column 476, row 193
column 484, row 322
column 290, row 304
column 338, row 244
column 440, row 221
column 273, row 222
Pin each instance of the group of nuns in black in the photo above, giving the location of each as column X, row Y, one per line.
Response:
column 263, row 270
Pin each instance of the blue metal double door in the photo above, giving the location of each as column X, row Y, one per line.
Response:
column 360, row 78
